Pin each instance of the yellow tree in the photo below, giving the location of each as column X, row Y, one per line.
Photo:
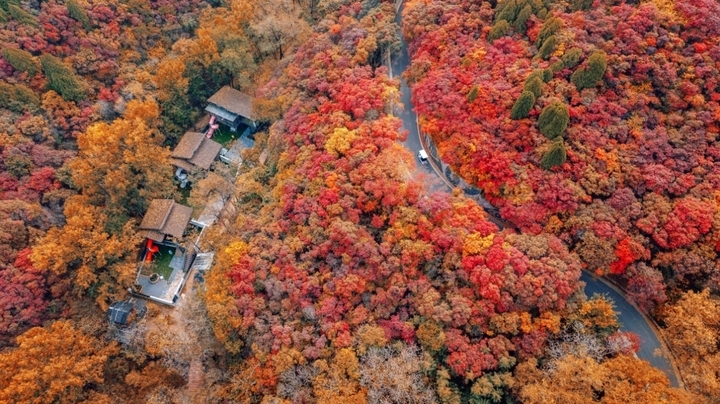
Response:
column 84, row 251
column 122, row 166
column 580, row 380
column 693, row 330
column 53, row 365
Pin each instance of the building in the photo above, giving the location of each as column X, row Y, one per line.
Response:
column 233, row 108
column 195, row 150
column 124, row 312
column 165, row 219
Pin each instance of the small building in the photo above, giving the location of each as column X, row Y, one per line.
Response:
column 122, row 313
column 165, row 218
column 195, row 150
column 232, row 108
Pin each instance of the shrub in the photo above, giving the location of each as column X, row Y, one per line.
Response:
column 4, row 4
column 20, row 60
column 77, row 12
column 473, row 94
column 549, row 28
column 571, row 58
column 533, row 84
column 22, row 16
column 522, row 18
column 547, row 47
column 555, row 156
column 523, row 105
column 61, row 78
column 499, row 30
column 553, row 120
column 18, row 98
column 547, row 74
column 578, row 5
column 588, row 76
column 506, row 11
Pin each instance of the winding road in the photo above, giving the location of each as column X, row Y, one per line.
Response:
column 631, row 319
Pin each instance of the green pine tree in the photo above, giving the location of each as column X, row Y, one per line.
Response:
column 77, row 12
column 22, row 16
column 578, row 5
column 499, row 30
column 18, row 98
column 571, row 58
column 473, row 94
column 507, row 11
column 20, row 60
column 522, row 18
column 62, row 79
column 3, row 16
column 547, row 47
column 523, row 105
column 4, row 4
column 553, row 120
column 549, row 28
column 556, row 155
column 533, row 84
column 589, row 75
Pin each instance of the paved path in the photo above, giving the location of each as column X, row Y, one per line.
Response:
column 629, row 316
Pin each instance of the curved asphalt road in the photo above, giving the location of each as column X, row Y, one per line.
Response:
column 629, row 316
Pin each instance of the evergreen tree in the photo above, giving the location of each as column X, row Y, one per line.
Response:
column 547, row 47
column 473, row 94
column 499, row 30
column 22, row 16
column 523, row 105
column 77, row 12
column 507, row 11
column 5, row 4
column 555, row 156
column 588, row 76
column 522, row 18
column 553, row 120
column 18, row 97
column 578, row 5
column 20, row 60
column 61, row 78
column 534, row 85
column 3, row 16
column 571, row 58
column 549, row 28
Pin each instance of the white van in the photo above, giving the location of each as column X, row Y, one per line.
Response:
column 423, row 156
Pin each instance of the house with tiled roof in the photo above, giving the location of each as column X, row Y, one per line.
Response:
column 232, row 108
column 165, row 219
column 195, row 150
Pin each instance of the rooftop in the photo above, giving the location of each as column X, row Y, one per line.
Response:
column 234, row 101
column 163, row 218
column 195, row 149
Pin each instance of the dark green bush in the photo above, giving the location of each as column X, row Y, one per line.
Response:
column 62, row 79
column 571, row 58
column 472, row 95
column 553, row 120
column 588, row 76
column 22, row 16
column 499, row 30
column 522, row 18
column 555, row 156
column 578, row 5
column 77, row 12
column 4, row 4
column 549, row 28
column 547, row 74
column 507, row 11
column 533, row 84
column 18, row 98
column 547, row 47
column 20, row 60
column 523, row 105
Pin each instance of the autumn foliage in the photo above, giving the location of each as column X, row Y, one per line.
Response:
column 633, row 91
